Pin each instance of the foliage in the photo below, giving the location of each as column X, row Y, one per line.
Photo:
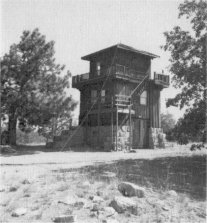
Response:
column 33, row 91
column 56, row 126
column 191, row 126
column 188, row 64
column 167, row 122
column 196, row 147
column 31, row 137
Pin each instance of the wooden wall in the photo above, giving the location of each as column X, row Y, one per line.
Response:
column 126, row 88
column 145, row 115
column 154, row 102
column 105, row 59
column 132, row 60
column 118, row 56
column 85, row 101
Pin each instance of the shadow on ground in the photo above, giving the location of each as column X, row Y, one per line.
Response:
column 34, row 149
column 182, row 174
column 26, row 150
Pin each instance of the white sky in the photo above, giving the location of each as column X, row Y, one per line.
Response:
column 80, row 27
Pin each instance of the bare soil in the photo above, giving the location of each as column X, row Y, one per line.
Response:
column 37, row 179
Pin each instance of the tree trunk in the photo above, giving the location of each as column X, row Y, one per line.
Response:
column 12, row 129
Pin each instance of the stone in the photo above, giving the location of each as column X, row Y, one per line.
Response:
column 132, row 151
column 122, row 204
column 108, row 211
column 95, row 207
column 85, row 184
column 99, row 193
column 88, row 205
column 64, row 219
column 13, row 188
column 97, row 199
column 172, row 193
column 110, row 221
column 2, row 189
column 73, row 201
column 25, row 181
column 93, row 214
column 131, row 190
column 91, row 197
column 161, row 205
column 27, row 195
column 19, row 212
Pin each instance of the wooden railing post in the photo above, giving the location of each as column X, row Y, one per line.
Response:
column 117, row 123
column 130, row 125
column 112, row 122
column 99, row 109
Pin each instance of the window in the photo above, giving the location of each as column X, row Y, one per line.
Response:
column 103, row 95
column 98, row 68
column 93, row 96
column 143, row 98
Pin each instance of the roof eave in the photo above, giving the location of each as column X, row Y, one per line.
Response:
column 89, row 56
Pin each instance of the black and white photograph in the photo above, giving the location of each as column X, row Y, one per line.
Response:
column 103, row 111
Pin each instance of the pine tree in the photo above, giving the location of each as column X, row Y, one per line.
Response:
column 33, row 87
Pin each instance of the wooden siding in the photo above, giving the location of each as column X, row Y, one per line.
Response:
column 134, row 61
column 154, row 102
column 105, row 60
column 140, row 133
column 125, row 88
column 143, row 117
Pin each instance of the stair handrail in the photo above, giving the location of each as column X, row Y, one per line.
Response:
column 144, row 79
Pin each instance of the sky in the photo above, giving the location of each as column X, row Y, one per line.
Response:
column 80, row 27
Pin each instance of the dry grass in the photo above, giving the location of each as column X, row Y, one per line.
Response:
column 185, row 175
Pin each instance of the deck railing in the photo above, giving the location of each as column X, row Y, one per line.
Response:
column 124, row 71
column 115, row 70
column 162, row 79
column 120, row 101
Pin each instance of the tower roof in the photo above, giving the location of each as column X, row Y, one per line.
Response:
column 119, row 46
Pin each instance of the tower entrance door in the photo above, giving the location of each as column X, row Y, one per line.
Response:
column 140, row 133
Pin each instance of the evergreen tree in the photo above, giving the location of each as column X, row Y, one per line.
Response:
column 33, row 89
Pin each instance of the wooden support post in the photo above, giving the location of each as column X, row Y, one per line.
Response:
column 205, row 97
column 86, row 134
column 112, row 123
column 99, row 122
column 130, row 127
column 159, row 109
column 117, row 124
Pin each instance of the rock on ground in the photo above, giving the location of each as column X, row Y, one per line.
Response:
column 97, row 199
column 2, row 188
column 172, row 193
column 25, row 181
column 13, row 188
column 19, row 212
column 110, row 221
column 130, row 190
column 73, row 201
column 95, row 207
column 122, row 204
column 64, row 219
column 109, row 211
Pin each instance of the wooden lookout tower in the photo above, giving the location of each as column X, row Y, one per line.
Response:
column 120, row 99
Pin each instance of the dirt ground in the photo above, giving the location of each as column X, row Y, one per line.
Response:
column 38, row 180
